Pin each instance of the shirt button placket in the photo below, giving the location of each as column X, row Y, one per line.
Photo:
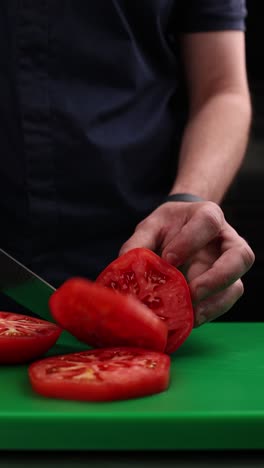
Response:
column 33, row 46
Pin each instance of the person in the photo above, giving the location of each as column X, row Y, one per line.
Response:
column 107, row 109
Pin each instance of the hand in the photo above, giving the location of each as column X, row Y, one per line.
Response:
column 196, row 238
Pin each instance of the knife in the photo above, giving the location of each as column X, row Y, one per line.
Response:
column 31, row 291
column 25, row 287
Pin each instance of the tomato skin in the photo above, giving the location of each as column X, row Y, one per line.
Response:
column 159, row 285
column 99, row 317
column 24, row 338
column 105, row 374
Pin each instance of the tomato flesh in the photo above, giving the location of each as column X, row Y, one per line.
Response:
column 100, row 317
column 105, row 374
column 24, row 338
column 158, row 285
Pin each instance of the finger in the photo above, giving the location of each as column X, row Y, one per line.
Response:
column 147, row 235
column 228, row 268
column 201, row 228
column 218, row 304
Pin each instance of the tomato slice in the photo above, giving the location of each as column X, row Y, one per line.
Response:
column 100, row 317
column 23, row 338
column 158, row 285
column 101, row 374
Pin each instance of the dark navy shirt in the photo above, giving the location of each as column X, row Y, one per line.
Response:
column 92, row 109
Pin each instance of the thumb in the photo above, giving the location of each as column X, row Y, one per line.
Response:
column 146, row 235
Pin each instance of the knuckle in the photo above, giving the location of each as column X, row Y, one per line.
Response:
column 142, row 223
column 235, row 284
column 248, row 256
column 146, row 224
column 239, row 288
column 213, row 216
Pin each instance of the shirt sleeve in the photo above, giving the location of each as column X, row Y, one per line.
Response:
column 210, row 15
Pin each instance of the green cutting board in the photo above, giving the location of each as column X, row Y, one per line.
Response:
column 215, row 401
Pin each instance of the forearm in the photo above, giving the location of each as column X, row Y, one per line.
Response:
column 213, row 146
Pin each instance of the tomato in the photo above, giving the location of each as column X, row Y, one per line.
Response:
column 104, row 374
column 99, row 317
column 158, row 285
column 23, row 338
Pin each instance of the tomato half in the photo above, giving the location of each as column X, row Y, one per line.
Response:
column 23, row 338
column 158, row 285
column 101, row 374
column 101, row 317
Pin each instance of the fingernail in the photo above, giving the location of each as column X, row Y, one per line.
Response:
column 201, row 319
column 172, row 258
column 201, row 293
column 201, row 315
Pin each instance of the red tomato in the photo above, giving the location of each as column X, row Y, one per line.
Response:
column 101, row 374
column 23, row 338
column 101, row 317
column 158, row 285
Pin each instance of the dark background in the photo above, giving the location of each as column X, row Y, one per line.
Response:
column 244, row 203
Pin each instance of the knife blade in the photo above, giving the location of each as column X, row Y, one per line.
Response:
column 32, row 292
column 24, row 286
